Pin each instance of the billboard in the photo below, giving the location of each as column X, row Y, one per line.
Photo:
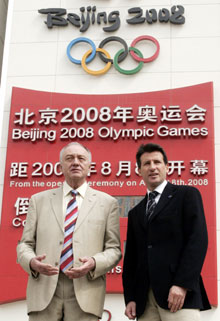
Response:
column 112, row 127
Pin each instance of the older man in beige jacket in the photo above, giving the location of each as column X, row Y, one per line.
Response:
column 78, row 292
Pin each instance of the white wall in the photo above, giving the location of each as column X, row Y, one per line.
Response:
column 36, row 59
column 3, row 16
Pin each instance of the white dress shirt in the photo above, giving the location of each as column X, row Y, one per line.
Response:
column 67, row 195
column 159, row 189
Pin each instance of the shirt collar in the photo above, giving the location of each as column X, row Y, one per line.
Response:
column 159, row 188
column 81, row 189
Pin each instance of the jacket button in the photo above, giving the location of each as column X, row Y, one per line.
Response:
column 61, row 242
column 56, row 263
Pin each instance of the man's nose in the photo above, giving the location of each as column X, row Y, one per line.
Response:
column 152, row 166
column 75, row 161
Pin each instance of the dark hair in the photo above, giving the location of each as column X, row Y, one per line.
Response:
column 149, row 148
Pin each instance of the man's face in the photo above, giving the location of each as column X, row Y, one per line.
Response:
column 153, row 169
column 75, row 165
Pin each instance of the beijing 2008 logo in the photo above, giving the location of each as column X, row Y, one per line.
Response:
column 104, row 55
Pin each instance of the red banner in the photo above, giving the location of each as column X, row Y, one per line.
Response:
column 112, row 127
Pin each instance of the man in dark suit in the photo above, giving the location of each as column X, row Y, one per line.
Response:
column 166, row 247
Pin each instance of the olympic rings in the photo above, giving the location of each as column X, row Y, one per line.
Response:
column 145, row 38
column 132, row 71
column 81, row 39
column 98, row 72
column 119, row 56
column 123, row 54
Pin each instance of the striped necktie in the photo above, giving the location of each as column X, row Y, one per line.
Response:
column 151, row 203
column 66, row 260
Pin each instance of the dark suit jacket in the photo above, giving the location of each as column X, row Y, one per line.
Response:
column 168, row 250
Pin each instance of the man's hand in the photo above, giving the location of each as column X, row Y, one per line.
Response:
column 42, row 268
column 176, row 298
column 88, row 265
column 130, row 310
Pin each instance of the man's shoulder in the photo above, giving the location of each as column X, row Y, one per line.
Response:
column 183, row 189
column 138, row 205
column 47, row 193
column 100, row 194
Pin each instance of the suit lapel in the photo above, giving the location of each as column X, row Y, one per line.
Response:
column 56, row 204
column 87, row 204
column 165, row 198
column 141, row 212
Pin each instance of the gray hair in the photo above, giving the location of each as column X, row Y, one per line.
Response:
column 75, row 143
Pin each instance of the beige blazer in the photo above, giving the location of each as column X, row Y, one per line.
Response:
column 96, row 234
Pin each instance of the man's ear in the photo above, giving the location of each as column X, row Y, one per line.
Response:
column 60, row 167
column 89, row 169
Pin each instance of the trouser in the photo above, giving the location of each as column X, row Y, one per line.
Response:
column 63, row 306
column 155, row 313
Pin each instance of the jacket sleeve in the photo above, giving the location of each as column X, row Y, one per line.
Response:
column 26, row 246
column 130, row 263
column 111, row 253
column 196, row 241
